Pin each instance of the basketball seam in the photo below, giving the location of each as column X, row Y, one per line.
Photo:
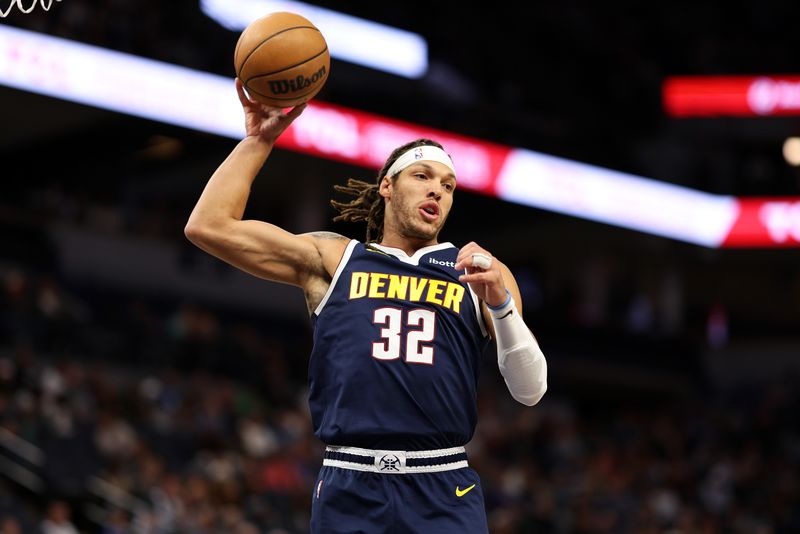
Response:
column 289, row 67
column 244, row 62
column 279, row 97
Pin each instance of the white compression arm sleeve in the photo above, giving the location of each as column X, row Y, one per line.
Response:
column 519, row 357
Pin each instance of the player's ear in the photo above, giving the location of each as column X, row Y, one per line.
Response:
column 385, row 187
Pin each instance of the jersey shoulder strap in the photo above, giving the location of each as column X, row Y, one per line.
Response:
column 348, row 252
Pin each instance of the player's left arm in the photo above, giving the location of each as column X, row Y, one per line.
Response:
column 519, row 357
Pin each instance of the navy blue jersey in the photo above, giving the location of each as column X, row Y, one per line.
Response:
column 397, row 347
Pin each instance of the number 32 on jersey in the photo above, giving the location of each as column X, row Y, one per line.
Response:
column 418, row 325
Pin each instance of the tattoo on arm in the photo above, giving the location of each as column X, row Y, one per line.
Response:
column 327, row 235
column 317, row 285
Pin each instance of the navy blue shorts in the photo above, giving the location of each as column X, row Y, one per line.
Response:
column 443, row 502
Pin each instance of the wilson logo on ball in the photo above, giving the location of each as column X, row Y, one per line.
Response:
column 282, row 59
column 282, row 87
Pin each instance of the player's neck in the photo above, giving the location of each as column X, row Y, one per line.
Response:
column 404, row 243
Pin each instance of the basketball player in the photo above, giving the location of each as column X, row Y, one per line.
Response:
column 400, row 324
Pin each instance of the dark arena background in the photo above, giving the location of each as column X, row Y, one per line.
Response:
column 634, row 164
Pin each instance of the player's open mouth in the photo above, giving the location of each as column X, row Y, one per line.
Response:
column 429, row 211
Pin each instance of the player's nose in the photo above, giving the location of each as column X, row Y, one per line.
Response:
column 435, row 190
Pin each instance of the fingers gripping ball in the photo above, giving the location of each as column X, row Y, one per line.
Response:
column 282, row 60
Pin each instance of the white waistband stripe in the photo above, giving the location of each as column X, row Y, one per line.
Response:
column 435, row 453
column 394, row 461
column 400, row 469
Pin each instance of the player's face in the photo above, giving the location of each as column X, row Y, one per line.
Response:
column 420, row 199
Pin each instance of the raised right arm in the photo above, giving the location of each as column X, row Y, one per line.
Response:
column 257, row 247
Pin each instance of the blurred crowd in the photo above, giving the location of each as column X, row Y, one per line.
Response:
column 154, row 417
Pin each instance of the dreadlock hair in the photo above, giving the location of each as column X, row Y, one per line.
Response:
column 369, row 205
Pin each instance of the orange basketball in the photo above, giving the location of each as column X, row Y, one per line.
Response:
column 282, row 60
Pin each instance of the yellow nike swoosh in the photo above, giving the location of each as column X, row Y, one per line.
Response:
column 461, row 493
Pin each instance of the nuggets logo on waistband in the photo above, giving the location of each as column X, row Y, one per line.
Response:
column 411, row 288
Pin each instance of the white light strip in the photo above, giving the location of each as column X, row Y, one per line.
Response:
column 120, row 82
column 352, row 39
column 616, row 198
column 207, row 102
column 613, row 197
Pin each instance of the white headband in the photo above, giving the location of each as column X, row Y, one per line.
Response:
column 421, row 153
